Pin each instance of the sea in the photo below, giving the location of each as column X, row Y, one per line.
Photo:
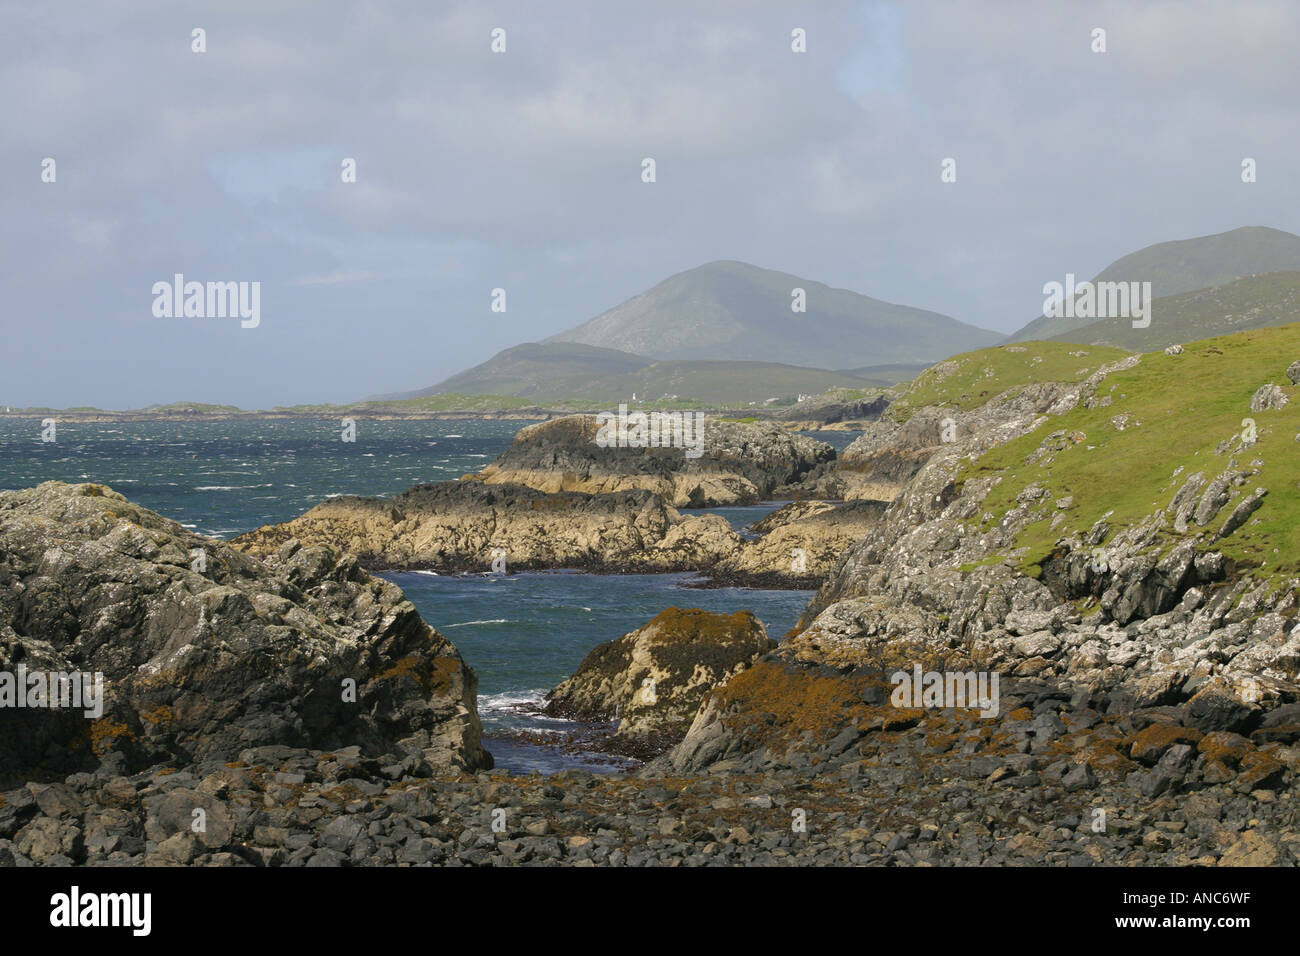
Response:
column 523, row 633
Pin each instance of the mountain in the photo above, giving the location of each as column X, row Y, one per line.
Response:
column 1184, row 266
column 892, row 373
column 732, row 310
column 1255, row 302
column 565, row 370
column 537, row 370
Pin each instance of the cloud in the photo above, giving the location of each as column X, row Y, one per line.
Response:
column 343, row 277
column 478, row 170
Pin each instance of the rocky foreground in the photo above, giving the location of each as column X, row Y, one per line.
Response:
column 1059, row 780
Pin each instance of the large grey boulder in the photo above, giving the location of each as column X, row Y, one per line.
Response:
column 206, row 651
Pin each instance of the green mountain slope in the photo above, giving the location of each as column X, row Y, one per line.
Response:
column 1254, row 302
column 1186, row 265
column 1151, row 427
column 968, row 381
column 538, row 370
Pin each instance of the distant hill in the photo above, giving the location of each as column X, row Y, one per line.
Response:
column 892, row 373
column 735, row 311
column 537, row 370
column 1255, row 302
column 719, row 382
column 558, row 371
column 1186, row 265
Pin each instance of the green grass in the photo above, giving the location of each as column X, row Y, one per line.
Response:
column 968, row 381
column 1181, row 408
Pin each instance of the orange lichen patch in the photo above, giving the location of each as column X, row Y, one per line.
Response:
column 771, row 701
column 158, row 715
column 674, row 625
column 1105, row 758
column 1021, row 713
column 1260, row 769
column 1225, row 748
column 416, row 668
column 897, row 718
column 446, row 671
column 940, row 742
column 104, row 731
column 1150, row 742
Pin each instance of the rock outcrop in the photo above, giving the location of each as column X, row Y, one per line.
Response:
column 799, row 544
column 653, row 679
column 472, row 526
column 205, row 651
column 1150, row 612
column 555, row 499
column 738, row 463
column 837, row 409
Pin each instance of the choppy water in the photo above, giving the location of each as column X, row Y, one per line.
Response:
column 525, row 633
column 225, row 478
column 522, row 633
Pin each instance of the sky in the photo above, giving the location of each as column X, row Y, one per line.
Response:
column 522, row 170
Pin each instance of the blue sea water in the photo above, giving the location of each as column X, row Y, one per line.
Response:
column 525, row 633
column 522, row 633
column 224, row 478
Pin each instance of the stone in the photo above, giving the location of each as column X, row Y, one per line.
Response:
column 653, row 679
column 1251, row 849
column 1268, row 397
column 204, row 665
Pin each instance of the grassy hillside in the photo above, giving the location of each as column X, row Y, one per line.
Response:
column 1254, row 302
column 1181, row 410
column 968, row 381
column 1186, row 265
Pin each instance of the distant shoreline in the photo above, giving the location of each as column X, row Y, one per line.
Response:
column 107, row 416
column 528, row 414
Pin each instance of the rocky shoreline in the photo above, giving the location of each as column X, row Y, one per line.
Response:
column 556, row 499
